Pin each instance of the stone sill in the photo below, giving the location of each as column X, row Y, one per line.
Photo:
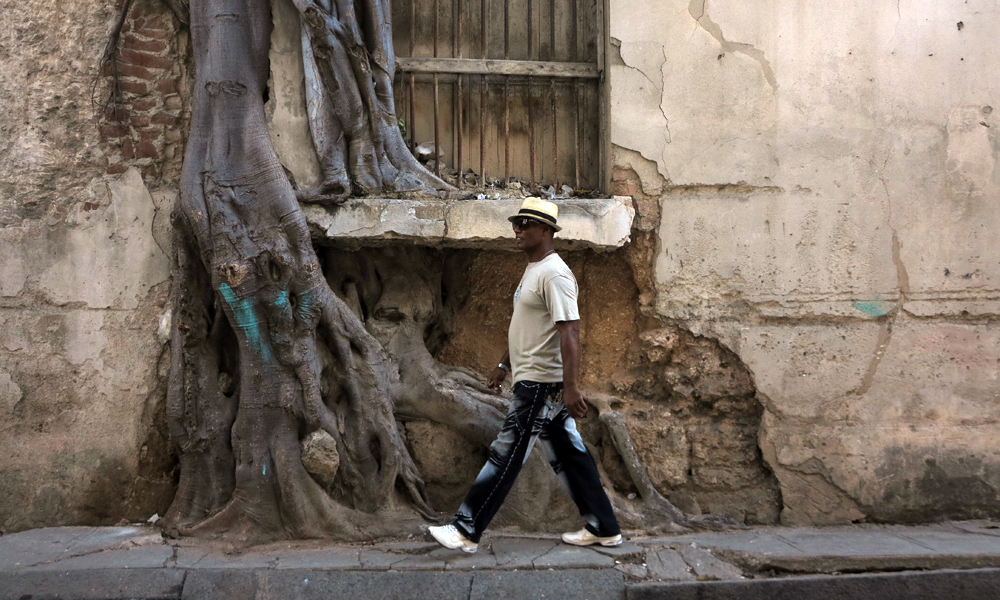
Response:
column 603, row 224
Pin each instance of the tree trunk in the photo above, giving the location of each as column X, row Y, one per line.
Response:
column 264, row 352
column 242, row 235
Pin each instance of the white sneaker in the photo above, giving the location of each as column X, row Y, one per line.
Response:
column 585, row 538
column 450, row 537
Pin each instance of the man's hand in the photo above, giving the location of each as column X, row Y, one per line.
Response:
column 495, row 379
column 574, row 402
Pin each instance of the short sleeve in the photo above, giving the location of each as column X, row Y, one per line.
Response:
column 560, row 298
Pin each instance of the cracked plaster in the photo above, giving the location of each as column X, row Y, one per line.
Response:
column 828, row 196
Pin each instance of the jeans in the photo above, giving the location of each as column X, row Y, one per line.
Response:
column 537, row 413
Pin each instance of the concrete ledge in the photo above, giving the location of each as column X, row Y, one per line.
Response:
column 938, row 585
column 598, row 224
column 98, row 584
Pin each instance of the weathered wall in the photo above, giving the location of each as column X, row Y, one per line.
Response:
column 83, row 265
column 829, row 193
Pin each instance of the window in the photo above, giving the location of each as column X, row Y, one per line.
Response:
column 508, row 89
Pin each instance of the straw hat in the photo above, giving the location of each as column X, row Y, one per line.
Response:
column 540, row 210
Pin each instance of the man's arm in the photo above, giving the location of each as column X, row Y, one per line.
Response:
column 569, row 343
column 498, row 374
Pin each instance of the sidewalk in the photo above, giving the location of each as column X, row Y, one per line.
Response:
column 949, row 560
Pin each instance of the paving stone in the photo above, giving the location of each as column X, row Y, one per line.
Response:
column 707, row 567
column 36, row 546
column 377, row 560
column 456, row 560
column 416, row 547
column 945, row 542
column 103, row 538
column 143, row 557
column 603, row 584
column 186, row 557
column 633, row 571
column 245, row 560
column 866, row 542
column 565, row 556
column 323, row 585
column 622, row 551
column 419, row 563
column 98, row 584
column 667, row 565
column 520, row 553
column 320, row 558
column 991, row 528
column 762, row 543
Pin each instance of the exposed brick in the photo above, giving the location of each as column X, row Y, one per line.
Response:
column 137, row 21
column 164, row 119
column 151, row 133
column 127, row 27
column 112, row 131
column 151, row 172
column 134, row 87
column 145, row 59
column 143, row 104
column 139, row 120
column 117, row 168
column 115, row 112
column 128, row 70
column 157, row 23
column 167, row 86
column 173, row 102
column 133, row 43
column 128, row 151
column 146, row 149
column 158, row 34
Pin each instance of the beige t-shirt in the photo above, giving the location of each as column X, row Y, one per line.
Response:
column 547, row 294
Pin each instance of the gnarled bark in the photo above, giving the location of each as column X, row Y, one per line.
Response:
column 264, row 351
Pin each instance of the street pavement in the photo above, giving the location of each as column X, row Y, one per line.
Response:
column 956, row 560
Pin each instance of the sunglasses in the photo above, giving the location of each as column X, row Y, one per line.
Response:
column 523, row 222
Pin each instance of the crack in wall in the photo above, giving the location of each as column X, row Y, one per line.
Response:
column 699, row 12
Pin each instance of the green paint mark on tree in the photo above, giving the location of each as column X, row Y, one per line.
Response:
column 246, row 318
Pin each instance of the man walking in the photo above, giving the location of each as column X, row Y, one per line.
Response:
column 544, row 357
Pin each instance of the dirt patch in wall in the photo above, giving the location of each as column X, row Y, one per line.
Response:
column 690, row 403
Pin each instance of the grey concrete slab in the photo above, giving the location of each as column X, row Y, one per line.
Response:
column 423, row 562
column 186, row 557
column 456, row 560
column 243, row 560
column 414, row 547
column 520, row 553
column 37, row 546
column 863, row 542
column 751, row 542
column 633, row 571
column 707, row 567
column 320, row 558
column 564, row 556
column 666, row 564
column 323, row 585
column 143, row 557
column 625, row 550
column 991, row 528
column 604, row 584
column 376, row 560
column 947, row 542
column 98, row 584
column 939, row 585
column 104, row 538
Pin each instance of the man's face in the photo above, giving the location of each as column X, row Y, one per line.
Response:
column 529, row 233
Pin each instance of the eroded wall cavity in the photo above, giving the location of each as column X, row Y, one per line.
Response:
column 827, row 181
